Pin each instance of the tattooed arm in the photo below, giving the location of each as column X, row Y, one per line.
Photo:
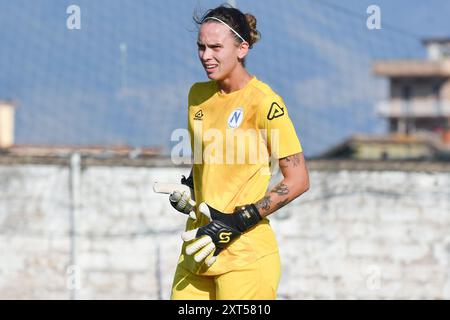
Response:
column 294, row 183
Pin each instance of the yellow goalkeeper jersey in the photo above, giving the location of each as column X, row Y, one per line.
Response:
column 233, row 137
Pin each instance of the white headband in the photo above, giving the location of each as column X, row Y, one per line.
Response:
column 214, row 18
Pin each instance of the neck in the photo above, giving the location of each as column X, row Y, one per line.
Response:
column 237, row 80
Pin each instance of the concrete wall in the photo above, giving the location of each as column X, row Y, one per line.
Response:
column 357, row 234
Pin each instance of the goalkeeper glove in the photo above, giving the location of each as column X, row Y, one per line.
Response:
column 183, row 201
column 220, row 232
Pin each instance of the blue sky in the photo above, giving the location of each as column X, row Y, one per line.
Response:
column 76, row 87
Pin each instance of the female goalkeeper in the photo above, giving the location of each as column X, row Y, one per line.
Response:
column 230, row 250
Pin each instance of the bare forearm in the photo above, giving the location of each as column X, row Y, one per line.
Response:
column 278, row 197
column 295, row 182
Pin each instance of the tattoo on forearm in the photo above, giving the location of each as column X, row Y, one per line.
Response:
column 282, row 203
column 282, row 166
column 281, row 189
column 291, row 160
column 264, row 203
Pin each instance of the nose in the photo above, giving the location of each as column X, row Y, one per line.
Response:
column 206, row 54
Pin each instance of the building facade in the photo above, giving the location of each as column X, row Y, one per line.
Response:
column 419, row 100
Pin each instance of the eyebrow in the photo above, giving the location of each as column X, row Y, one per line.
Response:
column 210, row 45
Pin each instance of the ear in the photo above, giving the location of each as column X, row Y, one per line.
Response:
column 243, row 50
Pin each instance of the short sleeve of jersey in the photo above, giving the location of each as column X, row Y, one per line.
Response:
column 192, row 92
column 282, row 140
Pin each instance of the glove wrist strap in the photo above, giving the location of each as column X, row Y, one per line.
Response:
column 247, row 217
column 243, row 218
column 189, row 181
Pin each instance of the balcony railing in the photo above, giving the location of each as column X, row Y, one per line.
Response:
column 414, row 109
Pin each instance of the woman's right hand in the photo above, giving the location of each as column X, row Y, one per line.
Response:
column 181, row 195
column 182, row 201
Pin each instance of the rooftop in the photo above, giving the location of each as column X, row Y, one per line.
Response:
column 439, row 40
column 120, row 156
column 393, row 146
column 417, row 68
column 60, row 154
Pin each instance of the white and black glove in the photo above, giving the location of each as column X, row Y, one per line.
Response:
column 183, row 201
column 181, row 195
column 222, row 230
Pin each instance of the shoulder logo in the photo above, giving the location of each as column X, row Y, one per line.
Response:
column 235, row 118
column 198, row 115
column 275, row 111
